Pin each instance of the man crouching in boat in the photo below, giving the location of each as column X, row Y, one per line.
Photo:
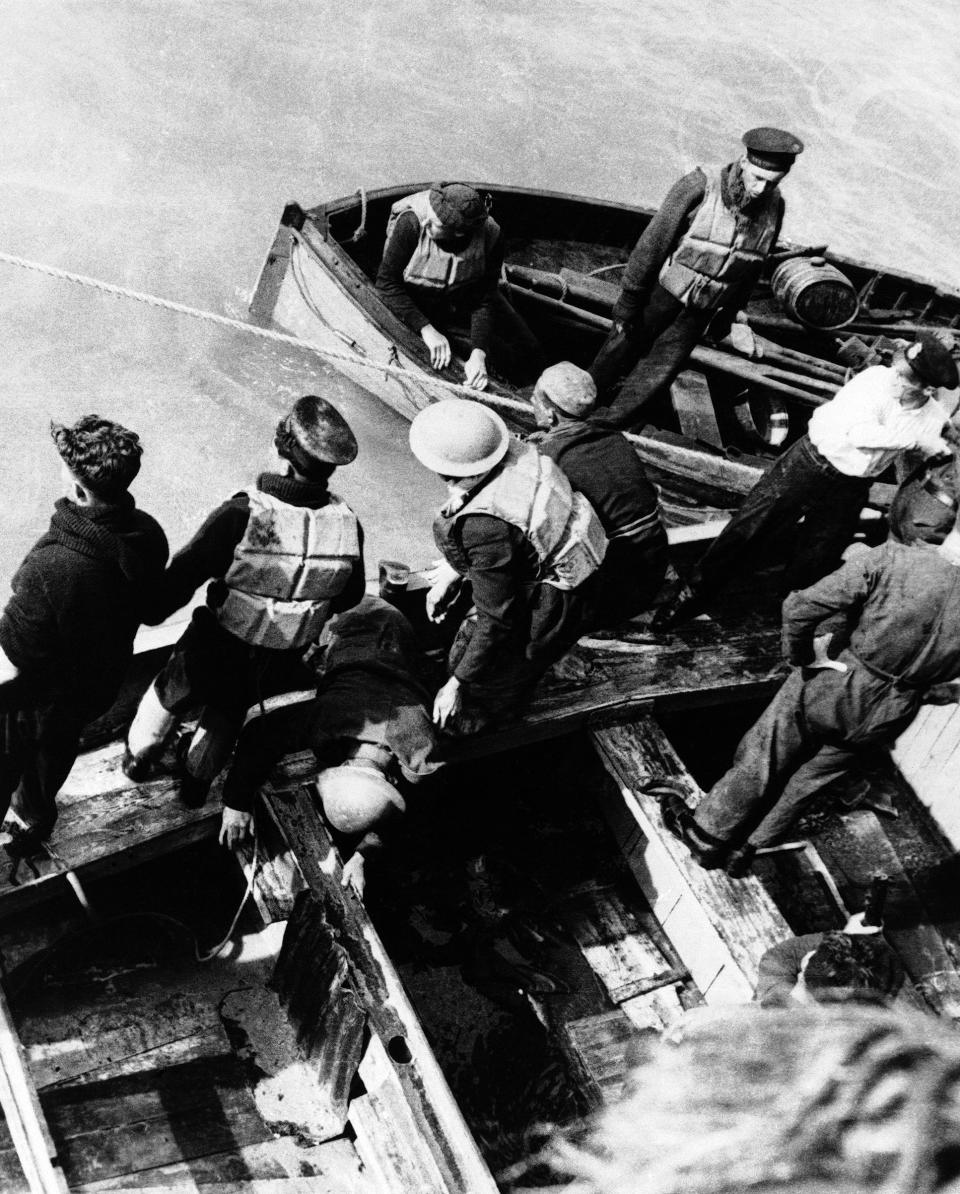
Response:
column 870, row 644
column 440, row 275
column 695, row 264
column 369, row 727
column 600, row 463
column 66, row 634
column 527, row 543
column 283, row 556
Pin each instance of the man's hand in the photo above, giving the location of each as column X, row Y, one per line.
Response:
column 821, row 660
column 856, row 927
column 475, row 370
column 439, row 345
column 353, row 874
column 743, row 340
column 235, row 827
column 448, row 702
column 943, row 694
column 442, row 578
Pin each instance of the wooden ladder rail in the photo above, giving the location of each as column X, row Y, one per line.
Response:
column 21, row 1109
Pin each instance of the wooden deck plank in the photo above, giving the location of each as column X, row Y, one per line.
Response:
column 719, row 927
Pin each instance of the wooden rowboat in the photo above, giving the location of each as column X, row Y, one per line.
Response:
column 726, row 417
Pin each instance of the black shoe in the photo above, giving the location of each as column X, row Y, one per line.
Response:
column 193, row 792
column 686, row 603
column 26, row 840
column 740, row 861
column 137, row 769
column 678, row 821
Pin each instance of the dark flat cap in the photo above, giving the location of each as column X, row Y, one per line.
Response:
column 932, row 361
column 772, row 149
column 457, row 206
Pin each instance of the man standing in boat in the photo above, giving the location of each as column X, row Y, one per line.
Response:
column 527, row 543
column 283, row 556
column 695, row 265
column 440, row 275
column 66, row 634
column 825, row 477
column 600, row 463
column 869, row 645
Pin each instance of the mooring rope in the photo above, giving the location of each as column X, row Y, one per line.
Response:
column 238, row 325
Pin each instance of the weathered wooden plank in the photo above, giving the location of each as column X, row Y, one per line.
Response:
column 23, row 1115
column 928, row 755
column 392, row 1018
column 611, row 682
column 693, row 404
column 140, row 1121
column 719, row 927
column 282, row 1166
column 602, row 1050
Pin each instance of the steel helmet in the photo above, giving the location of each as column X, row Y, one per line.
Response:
column 315, row 432
column 459, row 438
column 356, row 797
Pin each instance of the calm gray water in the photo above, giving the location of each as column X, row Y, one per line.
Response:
column 153, row 144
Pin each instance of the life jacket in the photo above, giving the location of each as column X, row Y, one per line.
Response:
column 437, row 268
column 290, row 564
column 531, row 493
column 719, row 248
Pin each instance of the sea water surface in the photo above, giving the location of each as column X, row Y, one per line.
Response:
column 154, row 144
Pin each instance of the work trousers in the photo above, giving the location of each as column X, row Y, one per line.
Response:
column 212, row 670
column 514, row 353
column 39, row 744
column 628, row 580
column 517, row 664
column 807, row 736
column 635, row 365
column 800, row 485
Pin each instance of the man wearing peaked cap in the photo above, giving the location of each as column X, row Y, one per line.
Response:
column 693, row 267
column 283, row 555
column 440, row 275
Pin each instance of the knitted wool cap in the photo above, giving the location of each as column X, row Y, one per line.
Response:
column 569, row 388
column 457, row 206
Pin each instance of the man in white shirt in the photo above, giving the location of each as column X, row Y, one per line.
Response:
column 825, row 477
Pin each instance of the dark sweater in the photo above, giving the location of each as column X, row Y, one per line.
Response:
column 78, row 598
column 209, row 553
column 662, row 235
column 417, row 306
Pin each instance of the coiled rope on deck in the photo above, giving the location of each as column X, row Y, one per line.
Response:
column 238, row 325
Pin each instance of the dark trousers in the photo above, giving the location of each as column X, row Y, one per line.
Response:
column 806, row 737
column 629, row 579
column 212, row 669
column 633, row 367
column 514, row 353
column 801, row 485
column 38, row 746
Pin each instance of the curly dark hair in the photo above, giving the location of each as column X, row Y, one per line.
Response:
column 852, row 963
column 102, row 455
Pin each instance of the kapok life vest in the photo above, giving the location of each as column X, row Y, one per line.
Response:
column 719, row 248
column 290, row 564
column 531, row 493
column 433, row 266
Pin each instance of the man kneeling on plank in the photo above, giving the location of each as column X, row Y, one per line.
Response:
column 369, row 726
column 66, row 635
column 282, row 555
column 825, row 477
column 870, row 644
column 528, row 545
column 600, row 463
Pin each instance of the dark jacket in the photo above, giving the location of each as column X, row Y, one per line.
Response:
column 416, row 306
column 209, row 553
column 78, row 598
column 661, row 237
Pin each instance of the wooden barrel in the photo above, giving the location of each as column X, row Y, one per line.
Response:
column 815, row 292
